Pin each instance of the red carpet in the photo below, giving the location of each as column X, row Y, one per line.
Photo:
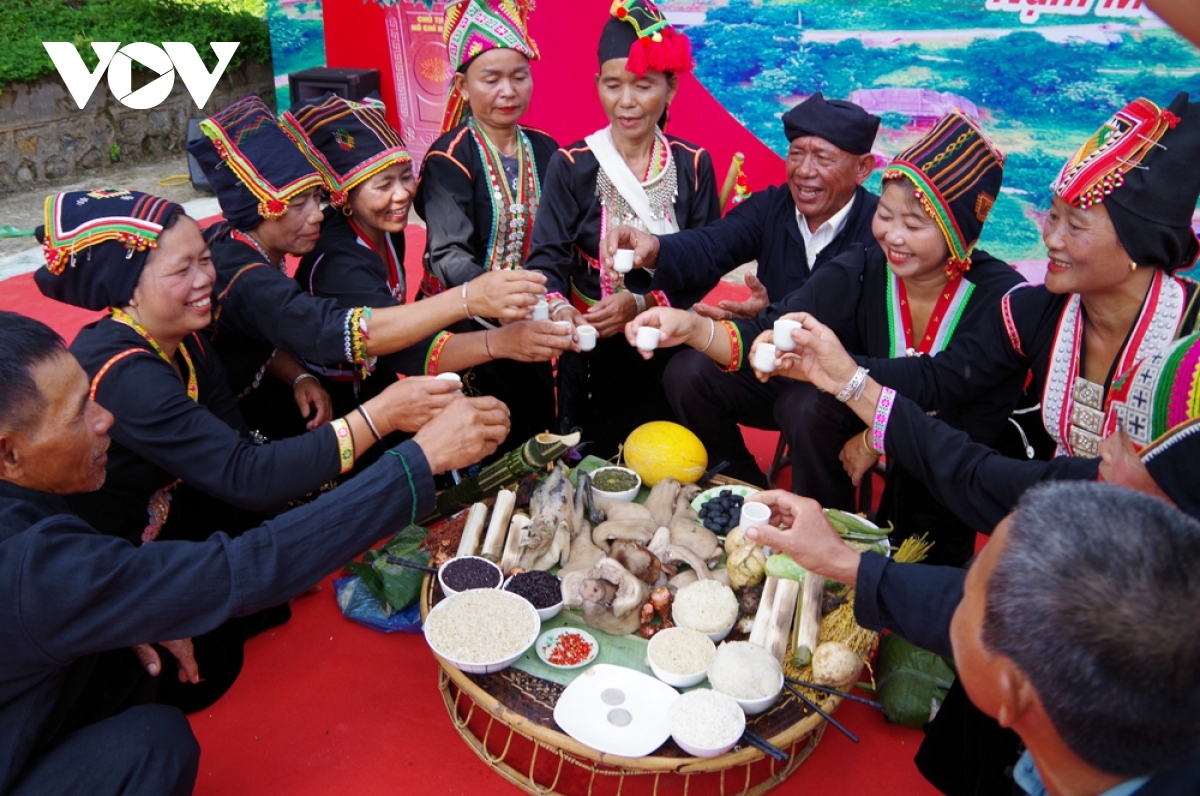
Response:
column 326, row 706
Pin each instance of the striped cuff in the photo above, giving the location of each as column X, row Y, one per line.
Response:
column 661, row 298
column 735, row 346
column 883, row 411
column 433, row 356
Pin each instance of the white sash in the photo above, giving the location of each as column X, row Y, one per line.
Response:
column 600, row 142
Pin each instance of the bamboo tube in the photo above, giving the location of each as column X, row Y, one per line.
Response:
column 512, row 547
column 735, row 164
column 473, row 530
column 497, row 532
column 533, row 455
column 780, row 631
column 762, row 619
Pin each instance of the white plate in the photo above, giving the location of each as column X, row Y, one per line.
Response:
column 616, row 711
column 547, row 640
column 709, row 494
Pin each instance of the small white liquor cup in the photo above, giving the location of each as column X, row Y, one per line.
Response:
column 783, row 334
column 623, row 261
column 541, row 311
column 647, row 338
column 587, row 337
column 764, row 358
column 754, row 514
column 451, row 376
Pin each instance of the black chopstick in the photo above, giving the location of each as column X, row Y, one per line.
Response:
column 704, row 479
column 766, row 747
column 404, row 562
column 827, row 690
column 820, row 712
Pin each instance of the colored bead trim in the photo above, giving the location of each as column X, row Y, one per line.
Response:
column 883, row 411
column 345, row 442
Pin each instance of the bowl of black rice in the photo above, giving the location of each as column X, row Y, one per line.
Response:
column 543, row 590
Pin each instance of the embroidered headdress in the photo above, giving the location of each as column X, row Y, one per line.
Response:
column 1157, row 403
column 640, row 33
column 347, row 141
column 96, row 244
column 475, row 26
column 1141, row 165
column 957, row 172
column 253, row 168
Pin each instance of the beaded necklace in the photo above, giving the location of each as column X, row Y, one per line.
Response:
column 512, row 212
column 193, row 389
column 249, row 241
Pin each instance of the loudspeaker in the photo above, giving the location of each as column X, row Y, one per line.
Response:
column 195, row 174
column 311, row 84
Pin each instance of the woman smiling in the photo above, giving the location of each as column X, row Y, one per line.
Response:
column 359, row 259
column 629, row 173
column 182, row 464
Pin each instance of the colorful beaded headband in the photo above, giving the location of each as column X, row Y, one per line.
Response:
column 346, row 141
column 1099, row 166
column 658, row 46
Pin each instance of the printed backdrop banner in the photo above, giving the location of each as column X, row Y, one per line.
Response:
column 1039, row 75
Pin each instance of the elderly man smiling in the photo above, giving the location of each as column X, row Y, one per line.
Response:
column 820, row 212
column 74, row 716
column 1076, row 627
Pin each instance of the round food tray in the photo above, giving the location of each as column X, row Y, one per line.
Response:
column 507, row 718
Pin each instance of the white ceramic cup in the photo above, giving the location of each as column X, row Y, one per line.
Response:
column 754, row 514
column 567, row 325
column 783, row 334
column 450, row 376
column 647, row 338
column 541, row 311
column 587, row 337
column 764, row 358
column 623, row 261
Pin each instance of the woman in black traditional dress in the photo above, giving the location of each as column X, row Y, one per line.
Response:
column 270, row 198
column 359, row 258
column 481, row 185
column 628, row 173
column 920, row 285
column 182, row 464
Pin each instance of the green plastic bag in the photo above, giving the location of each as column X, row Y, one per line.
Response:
column 911, row 683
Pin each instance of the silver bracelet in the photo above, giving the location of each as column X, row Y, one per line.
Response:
column 306, row 375
column 712, row 335
column 466, row 309
column 556, row 306
column 640, row 302
column 362, row 410
column 854, row 388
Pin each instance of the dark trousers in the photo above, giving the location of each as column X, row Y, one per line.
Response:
column 147, row 749
column 712, row 403
column 610, row 391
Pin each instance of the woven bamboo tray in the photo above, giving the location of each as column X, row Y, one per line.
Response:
column 507, row 718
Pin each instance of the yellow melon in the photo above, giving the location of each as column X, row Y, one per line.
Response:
column 660, row 450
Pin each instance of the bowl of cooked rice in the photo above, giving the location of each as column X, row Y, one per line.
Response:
column 679, row 656
column 482, row 631
column 748, row 673
column 706, row 723
column 708, row 606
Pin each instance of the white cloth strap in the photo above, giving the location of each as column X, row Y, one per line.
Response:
column 601, row 144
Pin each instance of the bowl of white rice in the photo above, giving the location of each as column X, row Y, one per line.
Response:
column 679, row 656
column 748, row 673
column 482, row 631
column 708, row 606
column 705, row 723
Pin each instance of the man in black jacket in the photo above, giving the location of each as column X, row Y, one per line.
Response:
column 74, row 716
column 790, row 230
column 1076, row 628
